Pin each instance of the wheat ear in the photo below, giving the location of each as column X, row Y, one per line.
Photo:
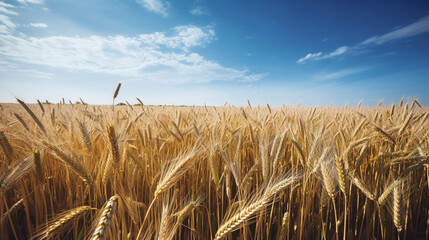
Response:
column 241, row 217
column 255, row 205
column 41, row 107
column 113, row 143
column 406, row 123
column 284, row 226
column 23, row 123
column 392, row 110
column 117, row 90
column 341, row 172
column 66, row 218
column 385, row 134
column 75, row 166
column 31, row 113
column 13, row 174
column 359, row 184
column 399, row 195
column 85, row 135
column 5, row 145
column 107, row 169
column 213, row 165
column 279, row 152
column 329, row 179
column 265, row 161
column 382, row 199
column 38, row 165
column 175, row 171
column 105, row 218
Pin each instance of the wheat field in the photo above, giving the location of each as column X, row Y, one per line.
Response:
column 76, row 171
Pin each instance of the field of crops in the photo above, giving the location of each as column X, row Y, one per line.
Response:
column 255, row 172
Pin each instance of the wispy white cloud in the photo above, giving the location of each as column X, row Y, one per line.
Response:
column 339, row 51
column 252, row 77
column 31, row 1
column 310, row 56
column 6, row 25
column 159, row 57
column 319, row 56
column 414, row 29
column 4, row 9
column 325, row 76
column 184, row 38
column 39, row 25
column 199, row 11
column 27, row 72
column 419, row 27
column 2, row 4
column 156, row 6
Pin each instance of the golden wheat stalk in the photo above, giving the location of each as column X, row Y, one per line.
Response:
column 341, row 173
column 392, row 110
column 283, row 231
column 384, row 133
column 11, row 210
column 140, row 101
column 400, row 191
column 175, row 171
column 75, row 165
column 23, row 123
column 105, row 219
column 213, row 165
column 107, row 169
column 166, row 226
column 330, row 178
column 359, row 184
column 265, row 161
column 41, row 106
column 406, row 123
column 117, row 90
column 255, row 205
column 5, row 145
column 279, row 153
column 85, row 134
column 31, row 113
column 113, row 140
column 38, row 165
column 14, row 173
column 242, row 216
column 382, row 199
column 60, row 223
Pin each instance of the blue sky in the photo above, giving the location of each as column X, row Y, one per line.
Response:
column 197, row 52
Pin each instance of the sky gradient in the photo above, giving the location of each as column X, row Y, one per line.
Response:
column 196, row 52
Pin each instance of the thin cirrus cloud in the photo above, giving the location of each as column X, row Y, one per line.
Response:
column 3, row 9
column 156, row 6
column 199, row 11
column 6, row 25
column 39, row 25
column 414, row 29
column 319, row 55
column 340, row 73
column 411, row 30
column 31, row 1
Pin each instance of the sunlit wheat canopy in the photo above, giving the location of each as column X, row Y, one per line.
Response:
column 202, row 119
